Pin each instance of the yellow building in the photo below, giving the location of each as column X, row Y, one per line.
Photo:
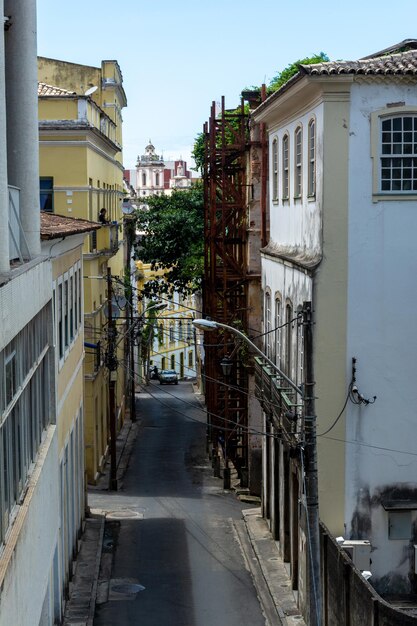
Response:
column 62, row 243
column 80, row 128
column 172, row 344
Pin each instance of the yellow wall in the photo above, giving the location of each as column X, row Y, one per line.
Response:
column 70, row 385
column 87, row 176
column 331, row 315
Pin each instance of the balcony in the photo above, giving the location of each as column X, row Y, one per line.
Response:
column 106, row 240
column 280, row 402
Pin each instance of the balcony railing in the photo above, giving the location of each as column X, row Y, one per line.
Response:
column 281, row 403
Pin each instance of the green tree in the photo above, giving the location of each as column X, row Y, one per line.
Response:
column 173, row 241
column 288, row 72
column 277, row 81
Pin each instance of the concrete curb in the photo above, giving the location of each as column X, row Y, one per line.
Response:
column 274, row 574
column 90, row 619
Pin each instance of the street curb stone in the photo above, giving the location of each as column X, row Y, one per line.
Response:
column 272, row 567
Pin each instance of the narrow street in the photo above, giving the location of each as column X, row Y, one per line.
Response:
column 170, row 552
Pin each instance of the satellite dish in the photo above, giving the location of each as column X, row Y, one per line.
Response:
column 91, row 90
column 115, row 310
column 127, row 207
column 119, row 302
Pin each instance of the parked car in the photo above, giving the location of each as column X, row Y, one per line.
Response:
column 168, row 377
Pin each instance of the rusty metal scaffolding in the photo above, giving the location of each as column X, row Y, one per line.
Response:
column 225, row 290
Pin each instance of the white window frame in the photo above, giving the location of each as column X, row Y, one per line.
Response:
column 377, row 117
column 312, row 135
column 286, row 166
column 298, row 162
column 275, row 170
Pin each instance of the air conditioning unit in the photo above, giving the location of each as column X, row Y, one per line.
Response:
column 359, row 551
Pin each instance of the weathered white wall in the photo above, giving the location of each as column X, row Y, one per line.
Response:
column 26, row 579
column 296, row 224
column 382, row 334
column 22, row 298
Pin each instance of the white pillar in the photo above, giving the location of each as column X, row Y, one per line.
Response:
column 4, row 195
column 22, row 114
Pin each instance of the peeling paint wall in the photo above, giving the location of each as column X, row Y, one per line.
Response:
column 382, row 463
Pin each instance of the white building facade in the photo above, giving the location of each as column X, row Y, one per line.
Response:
column 343, row 191
column 29, row 495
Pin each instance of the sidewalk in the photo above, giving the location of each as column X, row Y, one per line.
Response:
column 267, row 568
column 259, row 549
column 80, row 608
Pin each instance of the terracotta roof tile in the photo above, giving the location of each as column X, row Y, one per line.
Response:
column 49, row 90
column 404, row 63
column 54, row 226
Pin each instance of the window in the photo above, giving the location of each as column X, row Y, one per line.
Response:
column 277, row 324
column 312, row 158
column 171, row 333
column 46, row 185
column 11, row 382
column 66, row 311
column 25, row 412
column 71, row 308
column 172, row 361
column 288, row 339
column 160, row 334
column 268, row 325
column 399, row 153
column 190, row 359
column 144, row 179
column 60, row 325
column 157, row 180
column 300, row 346
column 275, row 169
column 285, row 168
column 298, row 155
column 399, row 525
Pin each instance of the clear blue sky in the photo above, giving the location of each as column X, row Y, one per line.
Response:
column 177, row 57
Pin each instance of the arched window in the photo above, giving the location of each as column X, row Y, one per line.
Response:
column 172, row 361
column 275, row 169
column 288, row 339
column 298, row 156
column 312, row 158
column 268, row 346
column 285, row 167
column 277, row 324
column 156, row 179
column 143, row 179
column 300, row 346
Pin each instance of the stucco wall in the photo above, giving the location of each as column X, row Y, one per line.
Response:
column 382, row 335
column 34, row 537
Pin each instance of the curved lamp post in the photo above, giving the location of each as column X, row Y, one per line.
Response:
column 310, row 471
column 209, row 325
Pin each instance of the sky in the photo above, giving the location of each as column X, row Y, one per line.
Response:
column 178, row 57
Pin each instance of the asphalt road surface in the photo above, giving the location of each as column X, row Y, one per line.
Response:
column 170, row 555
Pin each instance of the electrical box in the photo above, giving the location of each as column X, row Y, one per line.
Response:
column 359, row 551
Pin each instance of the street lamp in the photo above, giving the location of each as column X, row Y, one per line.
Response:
column 310, row 468
column 210, row 325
